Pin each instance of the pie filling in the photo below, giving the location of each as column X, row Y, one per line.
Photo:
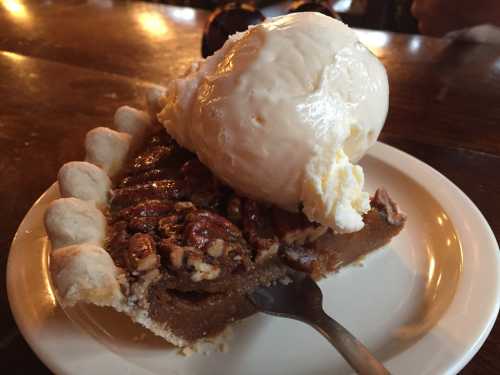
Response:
column 200, row 247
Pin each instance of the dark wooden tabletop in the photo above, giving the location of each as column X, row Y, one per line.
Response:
column 66, row 65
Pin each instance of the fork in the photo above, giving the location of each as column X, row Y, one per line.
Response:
column 301, row 299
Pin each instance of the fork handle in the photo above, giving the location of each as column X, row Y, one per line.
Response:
column 354, row 352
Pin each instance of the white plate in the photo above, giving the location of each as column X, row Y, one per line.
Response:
column 424, row 305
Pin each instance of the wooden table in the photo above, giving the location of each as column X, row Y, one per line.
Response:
column 66, row 65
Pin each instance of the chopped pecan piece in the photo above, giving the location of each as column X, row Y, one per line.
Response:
column 147, row 208
column 266, row 248
column 202, row 269
column 210, row 246
column 258, row 230
column 384, row 203
column 207, row 199
column 171, row 226
column 204, row 226
column 151, row 158
column 143, row 224
column 148, row 176
column 118, row 242
column 184, row 207
column 256, row 222
column 173, row 252
column 298, row 258
column 141, row 255
column 162, row 190
column 189, row 261
column 216, row 248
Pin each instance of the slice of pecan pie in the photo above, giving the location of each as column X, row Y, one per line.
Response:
column 144, row 227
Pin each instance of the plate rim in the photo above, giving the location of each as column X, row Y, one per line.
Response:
column 441, row 186
column 391, row 156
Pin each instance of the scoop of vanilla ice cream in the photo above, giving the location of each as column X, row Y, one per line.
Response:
column 282, row 112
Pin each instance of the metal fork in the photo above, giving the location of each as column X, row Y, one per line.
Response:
column 302, row 300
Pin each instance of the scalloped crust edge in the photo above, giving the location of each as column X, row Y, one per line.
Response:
column 81, row 270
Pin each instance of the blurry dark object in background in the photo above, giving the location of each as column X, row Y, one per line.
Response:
column 313, row 6
column 213, row 4
column 225, row 21
column 392, row 15
column 402, row 19
column 198, row 4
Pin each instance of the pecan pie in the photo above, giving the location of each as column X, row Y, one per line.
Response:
column 143, row 226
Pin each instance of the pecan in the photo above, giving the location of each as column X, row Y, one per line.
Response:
column 265, row 249
column 141, row 255
column 202, row 269
column 211, row 247
column 384, row 203
column 258, row 230
column 170, row 226
column 178, row 154
column 143, row 224
column 206, row 199
column 256, row 222
column 197, row 267
column 118, row 242
column 148, row 208
column 204, row 226
column 298, row 258
column 216, row 248
column 151, row 158
column 184, row 207
column 162, row 190
column 147, row 176
column 173, row 252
